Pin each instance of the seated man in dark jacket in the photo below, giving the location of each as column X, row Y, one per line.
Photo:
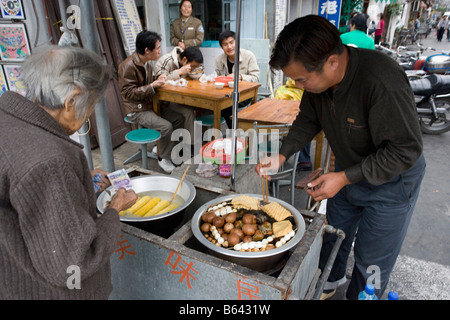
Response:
column 137, row 85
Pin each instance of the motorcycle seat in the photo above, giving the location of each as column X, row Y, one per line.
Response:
column 432, row 84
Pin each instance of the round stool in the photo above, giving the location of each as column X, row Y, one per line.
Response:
column 207, row 120
column 137, row 155
column 143, row 137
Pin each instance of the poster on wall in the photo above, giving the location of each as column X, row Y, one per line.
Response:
column 14, row 44
column 330, row 10
column 129, row 23
column 12, row 74
column 12, row 9
column 3, row 84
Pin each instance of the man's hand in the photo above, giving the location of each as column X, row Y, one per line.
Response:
column 185, row 69
column 160, row 81
column 182, row 45
column 270, row 164
column 327, row 185
column 123, row 199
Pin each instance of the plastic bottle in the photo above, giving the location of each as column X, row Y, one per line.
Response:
column 368, row 293
column 392, row 295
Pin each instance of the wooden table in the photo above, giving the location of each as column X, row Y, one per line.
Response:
column 274, row 111
column 205, row 96
column 269, row 111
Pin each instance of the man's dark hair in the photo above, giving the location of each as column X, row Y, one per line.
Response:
column 146, row 39
column 192, row 54
column 310, row 40
column 360, row 22
column 225, row 35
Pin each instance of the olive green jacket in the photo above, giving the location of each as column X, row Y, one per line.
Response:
column 191, row 33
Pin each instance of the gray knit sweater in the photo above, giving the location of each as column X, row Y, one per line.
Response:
column 48, row 219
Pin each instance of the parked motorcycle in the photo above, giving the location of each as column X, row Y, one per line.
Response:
column 432, row 94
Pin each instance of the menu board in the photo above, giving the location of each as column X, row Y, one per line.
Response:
column 129, row 23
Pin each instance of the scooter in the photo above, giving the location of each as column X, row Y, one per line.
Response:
column 432, row 95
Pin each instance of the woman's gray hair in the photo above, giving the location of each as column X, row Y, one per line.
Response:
column 52, row 73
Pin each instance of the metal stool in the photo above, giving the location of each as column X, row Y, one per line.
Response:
column 142, row 138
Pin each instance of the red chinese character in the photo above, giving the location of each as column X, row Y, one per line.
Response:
column 247, row 289
column 124, row 250
column 184, row 272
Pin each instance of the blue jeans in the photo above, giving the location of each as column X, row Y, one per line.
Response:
column 377, row 218
column 305, row 156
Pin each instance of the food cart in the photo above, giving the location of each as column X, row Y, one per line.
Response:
column 168, row 262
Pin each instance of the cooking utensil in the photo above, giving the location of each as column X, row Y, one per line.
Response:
column 259, row 261
column 179, row 184
column 154, row 183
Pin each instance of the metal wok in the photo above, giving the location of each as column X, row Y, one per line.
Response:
column 154, row 183
column 259, row 261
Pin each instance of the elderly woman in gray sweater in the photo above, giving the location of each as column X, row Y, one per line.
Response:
column 52, row 243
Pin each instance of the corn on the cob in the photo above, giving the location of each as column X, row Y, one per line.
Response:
column 169, row 208
column 140, row 202
column 160, row 206
column 150, row 205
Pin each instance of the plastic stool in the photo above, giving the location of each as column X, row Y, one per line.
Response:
column 143, row 137
column 138, row 154
column 208, row 121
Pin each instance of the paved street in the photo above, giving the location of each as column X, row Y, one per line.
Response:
column 423, row 268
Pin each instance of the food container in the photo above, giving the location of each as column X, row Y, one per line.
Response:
column 163, row 186
column 218, row 156
column 439, row 63
column 259, row 261
column 197, row 73
column 219, row 85
column 223, row 80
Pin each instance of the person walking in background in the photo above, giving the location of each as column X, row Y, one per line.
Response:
column 441, row 28
column 48, row 217
column 380, row 28
column 186, row 31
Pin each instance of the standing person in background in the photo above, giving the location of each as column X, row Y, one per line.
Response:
column 49, row 227
column 380, row 27
column 441, row 28
column 225, row 66
column 186, row 31
column 358, row 37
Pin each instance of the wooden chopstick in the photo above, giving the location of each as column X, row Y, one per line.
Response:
column 265, row 190
column 179, row 184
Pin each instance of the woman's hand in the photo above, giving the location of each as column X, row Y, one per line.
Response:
column 104, row 183
column 123, row 200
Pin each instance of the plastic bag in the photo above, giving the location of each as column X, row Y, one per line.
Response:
column 68, row 38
